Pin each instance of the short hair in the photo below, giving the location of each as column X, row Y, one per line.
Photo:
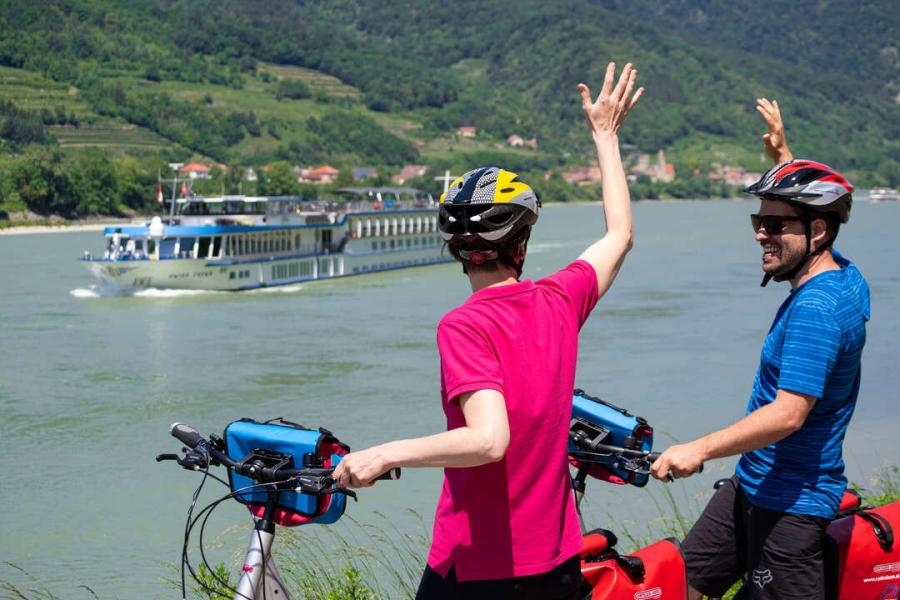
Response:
column 511, row 253
column 832, row 224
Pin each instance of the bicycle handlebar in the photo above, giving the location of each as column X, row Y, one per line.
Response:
column 191, row 438
column 186, row 434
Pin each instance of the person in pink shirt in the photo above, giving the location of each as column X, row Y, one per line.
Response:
column 505, row 524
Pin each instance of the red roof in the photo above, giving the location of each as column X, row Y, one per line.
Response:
column 323, row 170
column 194, row 168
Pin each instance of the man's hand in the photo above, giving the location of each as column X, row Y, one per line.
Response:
column 775, row 141
column 359, row 469
column 605, row 115
column 681, row 460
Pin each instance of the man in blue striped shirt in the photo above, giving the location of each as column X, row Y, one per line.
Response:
column 769, row 520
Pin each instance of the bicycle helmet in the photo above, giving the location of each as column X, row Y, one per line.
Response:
column 489, row 204
column 806, row 184
column 814, row 189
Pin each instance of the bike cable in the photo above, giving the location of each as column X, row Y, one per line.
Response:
column 204, row 514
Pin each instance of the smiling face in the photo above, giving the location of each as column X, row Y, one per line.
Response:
column 784, row 250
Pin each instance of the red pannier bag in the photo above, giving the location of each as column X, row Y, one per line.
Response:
column 651, row 573
column 864, row 558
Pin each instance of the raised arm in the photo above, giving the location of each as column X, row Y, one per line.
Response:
column 604, row 116
column 774, row 139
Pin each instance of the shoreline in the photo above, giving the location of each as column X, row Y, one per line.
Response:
column 100, row 225
column 75, row 226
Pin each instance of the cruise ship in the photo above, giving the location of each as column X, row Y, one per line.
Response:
column 247, row 242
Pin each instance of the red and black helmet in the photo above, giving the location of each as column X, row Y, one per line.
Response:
column 807, row 184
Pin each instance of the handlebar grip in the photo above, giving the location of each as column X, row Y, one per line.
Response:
column 393, row 475
column 186, row 434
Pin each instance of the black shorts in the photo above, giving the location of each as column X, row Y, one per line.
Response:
column 562, row 583
column 780, row 553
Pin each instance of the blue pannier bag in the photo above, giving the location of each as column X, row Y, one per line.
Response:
column 300, row 447
column 596, row 426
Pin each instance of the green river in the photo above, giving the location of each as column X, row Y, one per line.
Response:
column 89, row 384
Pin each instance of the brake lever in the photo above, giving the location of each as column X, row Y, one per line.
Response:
column 162, row 457
column 195, row 460
column 321, row 485
column 346, row 491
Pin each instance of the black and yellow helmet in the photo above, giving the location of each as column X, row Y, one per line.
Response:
column 487, row 203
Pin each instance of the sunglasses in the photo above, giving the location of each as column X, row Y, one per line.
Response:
column 773, row 224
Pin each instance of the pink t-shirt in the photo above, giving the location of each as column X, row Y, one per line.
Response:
column 515, row 517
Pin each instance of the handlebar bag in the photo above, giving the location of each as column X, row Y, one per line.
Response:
column 864, row 556
column 614, row 426
column 317, row 447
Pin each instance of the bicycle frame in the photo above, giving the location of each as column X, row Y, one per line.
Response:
column 259, row 573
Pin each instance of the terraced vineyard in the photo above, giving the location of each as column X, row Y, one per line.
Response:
column 128, row 136
column 316, row 81
column 31, row 91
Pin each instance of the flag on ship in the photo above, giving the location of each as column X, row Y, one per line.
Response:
column 159, row 193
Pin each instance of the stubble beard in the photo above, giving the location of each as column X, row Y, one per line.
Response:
column 779, row 259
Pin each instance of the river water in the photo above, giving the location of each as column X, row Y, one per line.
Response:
column 89, row 384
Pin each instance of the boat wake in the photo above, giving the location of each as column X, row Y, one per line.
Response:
column 97, row 291
column 103, row 292
column 279, row 289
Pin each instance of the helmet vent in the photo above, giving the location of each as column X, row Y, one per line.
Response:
column 508, row 190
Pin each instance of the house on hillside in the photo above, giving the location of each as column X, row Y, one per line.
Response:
column 360, row 173
column 320, row 175
column 582, row 175
column 250, row 175
column 467, row 131
column 409, row 172
column 660, row 170
column 517, row 141
column 195, row 171
column 732, row 175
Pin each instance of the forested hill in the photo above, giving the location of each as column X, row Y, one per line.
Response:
column 389, row 82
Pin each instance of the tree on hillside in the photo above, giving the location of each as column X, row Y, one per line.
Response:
column 95, row 188
column 280, row 180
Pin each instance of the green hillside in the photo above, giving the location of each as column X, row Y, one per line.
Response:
column 366, row 82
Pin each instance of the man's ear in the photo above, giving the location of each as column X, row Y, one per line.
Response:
column 818, row 231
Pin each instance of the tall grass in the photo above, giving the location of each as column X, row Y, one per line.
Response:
column 370, row 561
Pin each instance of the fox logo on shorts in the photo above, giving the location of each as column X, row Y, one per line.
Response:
column 761, row 578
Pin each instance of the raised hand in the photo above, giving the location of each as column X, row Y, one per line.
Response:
column 606, row 114
column 775, row 140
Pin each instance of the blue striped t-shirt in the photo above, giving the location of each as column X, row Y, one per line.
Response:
column 814, row 347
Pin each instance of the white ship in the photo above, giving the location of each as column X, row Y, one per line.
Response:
column 244, row 242
column 884, row 195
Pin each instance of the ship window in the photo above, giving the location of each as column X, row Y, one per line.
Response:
column 374, row 245
column 151, row 246
column 393, row 244
column 167, row 248
column 217, row 246
column 203, row 248
column 231, row 275
column 186, row 247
